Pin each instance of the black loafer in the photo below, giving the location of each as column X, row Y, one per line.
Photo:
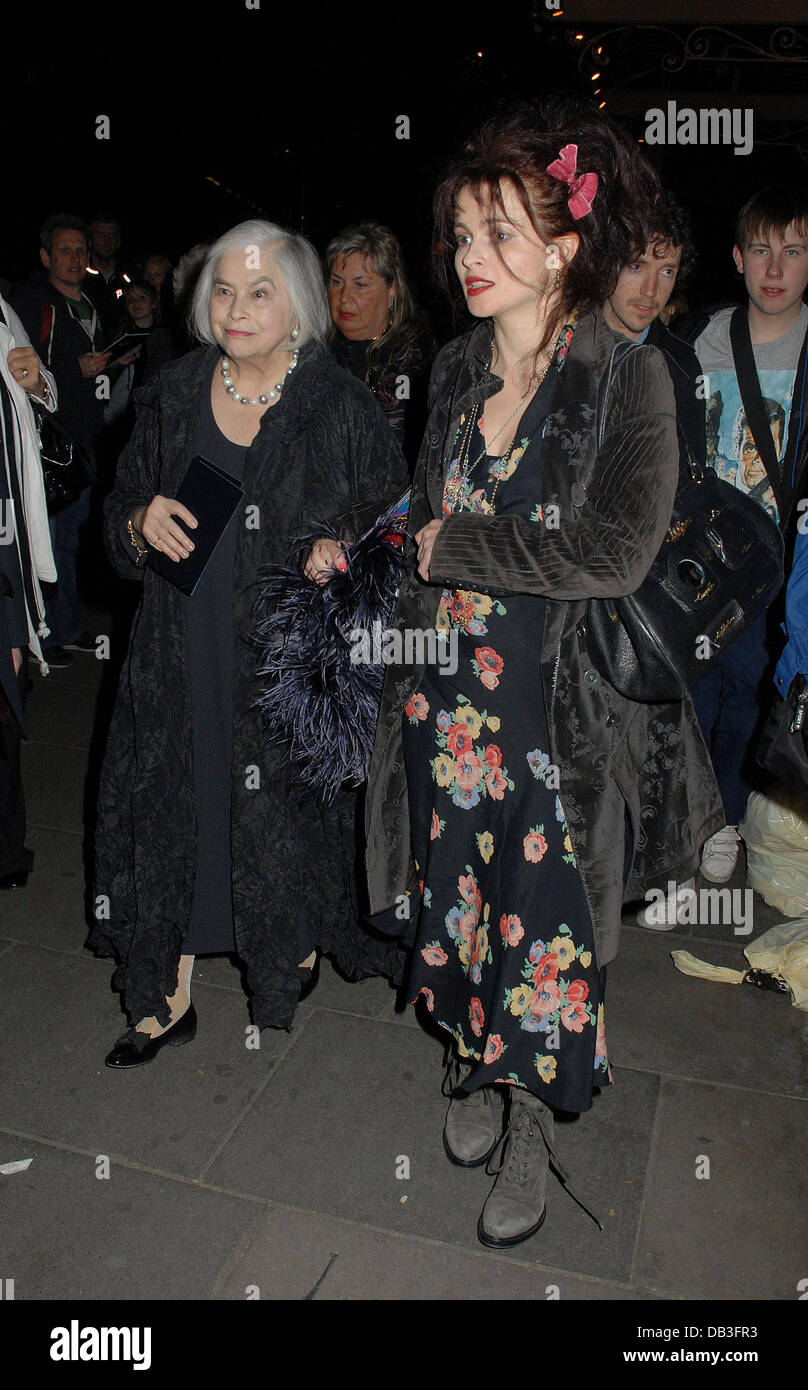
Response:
column 136, row 1049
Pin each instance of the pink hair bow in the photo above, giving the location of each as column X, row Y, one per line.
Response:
column 583, row 187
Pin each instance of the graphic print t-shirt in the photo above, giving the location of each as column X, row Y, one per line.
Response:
column 731, row 448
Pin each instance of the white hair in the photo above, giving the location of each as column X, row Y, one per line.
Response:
column 300, row 271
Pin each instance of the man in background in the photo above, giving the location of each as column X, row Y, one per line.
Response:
column 64, row 328
column 771, row 252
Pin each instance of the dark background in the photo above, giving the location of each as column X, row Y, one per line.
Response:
column 292, row 110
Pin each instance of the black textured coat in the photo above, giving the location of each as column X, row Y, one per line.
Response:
column 323, row 448
column 614, row 755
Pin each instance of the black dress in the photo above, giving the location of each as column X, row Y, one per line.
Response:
column 211, row 644
column 504, row 953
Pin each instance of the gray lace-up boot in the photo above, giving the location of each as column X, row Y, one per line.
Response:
column 515, row 1208
column 473, row 1121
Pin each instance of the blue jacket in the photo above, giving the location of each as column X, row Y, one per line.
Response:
column 795, row 653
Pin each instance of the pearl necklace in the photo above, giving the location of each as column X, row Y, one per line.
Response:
column 258, row 400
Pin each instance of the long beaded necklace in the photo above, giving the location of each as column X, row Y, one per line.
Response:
column 258, row 400
column 455, row 488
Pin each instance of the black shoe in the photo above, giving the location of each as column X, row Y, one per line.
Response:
column 135, row 1049
column 57, row 657
column 17, row 880
column 85, row 642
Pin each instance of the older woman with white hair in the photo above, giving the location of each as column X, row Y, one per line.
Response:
column 202, row 845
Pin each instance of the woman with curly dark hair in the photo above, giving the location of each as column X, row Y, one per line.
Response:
column 377, row 332
column 511, row 803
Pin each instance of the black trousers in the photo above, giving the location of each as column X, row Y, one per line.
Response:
column 14, row 857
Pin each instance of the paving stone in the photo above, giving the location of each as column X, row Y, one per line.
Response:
column 286, row 1253
column 659, row 1020
column 75, row 1235
column 61, row 714
column 50, row 910
column 59, row 1022
column 742, row 1232
column 53, row 779
column 355, row 1096
column 85, row 669
column 222, row 971
column 370, row 998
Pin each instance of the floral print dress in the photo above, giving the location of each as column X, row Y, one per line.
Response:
column 504, row 953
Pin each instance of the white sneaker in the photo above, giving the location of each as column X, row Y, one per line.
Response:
column 662, row 913
column 720, row 854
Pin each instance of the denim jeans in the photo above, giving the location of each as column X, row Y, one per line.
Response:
column 731, row 702
column 62, row 608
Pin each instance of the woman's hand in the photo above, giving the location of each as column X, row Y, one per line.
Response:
column 326, row 556
column 425, row 540
column 158, row 528
column 26, row 368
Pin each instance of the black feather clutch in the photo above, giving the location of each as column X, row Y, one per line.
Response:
column 320, row 687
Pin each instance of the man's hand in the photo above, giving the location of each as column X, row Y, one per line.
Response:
column 130, row 357
column 91, row 363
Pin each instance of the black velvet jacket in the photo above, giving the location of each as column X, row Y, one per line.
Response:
column 613, row 755
column 323, row 448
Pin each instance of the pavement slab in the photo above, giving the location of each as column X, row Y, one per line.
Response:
column 379, row 1114
column 128, row 1235
column 59, row 1022
column 50, row 910
column 59, row 714
column 85, row 669
column 739, row 1231
column 291, row 1254
column 54, row 785
column 659, row 1020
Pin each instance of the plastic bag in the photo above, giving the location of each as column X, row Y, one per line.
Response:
column 775, row 832
column 782, row 952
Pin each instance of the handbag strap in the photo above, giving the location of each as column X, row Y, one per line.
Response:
column 752, row 398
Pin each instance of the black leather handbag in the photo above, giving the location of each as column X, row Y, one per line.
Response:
column 66, row 467
column 719, row 567
column 783, row 746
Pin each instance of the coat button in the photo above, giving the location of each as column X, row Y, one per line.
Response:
column 591, row 677
column 434, row 439
column 581, row 629
column 610, row 719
